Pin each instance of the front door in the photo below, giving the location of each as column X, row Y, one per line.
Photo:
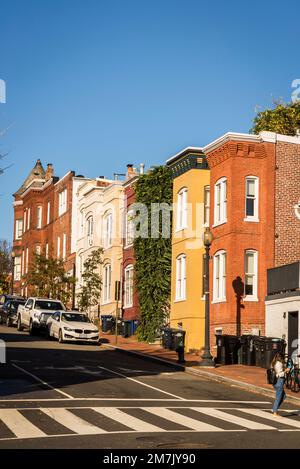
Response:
column 293, row 333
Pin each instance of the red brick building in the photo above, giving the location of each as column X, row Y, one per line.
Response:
column 129, row 291
column 42, row 221
column 254, row 188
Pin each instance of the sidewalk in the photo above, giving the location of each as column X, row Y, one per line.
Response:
column 251, row 378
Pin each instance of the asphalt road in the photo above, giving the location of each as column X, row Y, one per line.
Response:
column 83, row 396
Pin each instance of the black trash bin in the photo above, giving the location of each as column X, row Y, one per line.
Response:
column 166, row 338
column 221, row 352
column 247, row 352
column 258, row 350
column 272, row 346
column 126, row 328
column 232, row 345
column 106, row 322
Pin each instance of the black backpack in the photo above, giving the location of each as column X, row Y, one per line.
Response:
column 271, row 376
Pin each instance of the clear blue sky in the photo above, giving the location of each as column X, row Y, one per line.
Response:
column 95, row 84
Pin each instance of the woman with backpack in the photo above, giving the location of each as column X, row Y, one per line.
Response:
column 278, row 366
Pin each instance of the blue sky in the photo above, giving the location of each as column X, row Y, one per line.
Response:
column 95, row 84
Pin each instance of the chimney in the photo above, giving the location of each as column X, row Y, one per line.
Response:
column 130, row 171
column 142, row 168
column 49, row 171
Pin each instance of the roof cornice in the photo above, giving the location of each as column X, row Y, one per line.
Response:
column 183, row 152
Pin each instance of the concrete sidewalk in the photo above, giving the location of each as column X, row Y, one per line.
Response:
column 250, row 378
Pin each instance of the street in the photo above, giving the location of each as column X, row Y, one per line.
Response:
column 84, row 396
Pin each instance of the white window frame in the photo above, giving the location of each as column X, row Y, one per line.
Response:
column 47, row 251
column 182, row 210
column 107, row 283
column 129, row 228
column 58, row 247
column 219, row 277
column 19, row 228
column 17, row 268
column 220, row 203
column 28, row 219
column 38, row 249
column 27, row 260
column 252, row 218
column 108, row 227
column 62, row 202
column 23, row 262
column 25, row 221
column 64, row 250
column 206, row 206
column 128, row 286
column 39, row 214
column 48, row 212
column 180, row 292
column 90, row 230
column 254, row 274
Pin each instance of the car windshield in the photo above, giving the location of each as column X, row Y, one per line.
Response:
column 74, row 317
column 48, row 305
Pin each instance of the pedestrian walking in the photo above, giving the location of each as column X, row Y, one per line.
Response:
column 278, row 366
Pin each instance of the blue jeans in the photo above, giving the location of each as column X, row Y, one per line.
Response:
column 280, row 394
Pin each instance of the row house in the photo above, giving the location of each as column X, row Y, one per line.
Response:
column 43, row 221
column 191, row 186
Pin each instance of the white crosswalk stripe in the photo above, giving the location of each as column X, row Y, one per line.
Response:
column 108, row 420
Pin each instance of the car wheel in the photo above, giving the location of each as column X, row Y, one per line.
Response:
column 32, row 330
column 19, row 325
column 60, row 337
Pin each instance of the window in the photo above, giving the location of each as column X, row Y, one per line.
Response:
column 220, row 212
column 107, row 241
column 58, row 247
column 38, row 250
column 219, row 287
column 19, row 228
column 206, row 205
column 181, row 277
column 128, row 286
column 39, row 217
column 48, row 212
column 17, row 268
column 130, row 226
column 90, row 230
column 64, row 253
column 28, row 219
column 251, row 199
column 47, row 251
column 182, row 209
column 251, row 275
column 27, row 258
column 25, row 220
column 23, row 262
column 62, row 202
column 107, row 283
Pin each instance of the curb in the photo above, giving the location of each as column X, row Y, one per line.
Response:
column 206, row 374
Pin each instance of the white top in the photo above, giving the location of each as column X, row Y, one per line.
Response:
column 279, row 370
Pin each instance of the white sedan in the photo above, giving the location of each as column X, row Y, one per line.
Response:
column 72, row 326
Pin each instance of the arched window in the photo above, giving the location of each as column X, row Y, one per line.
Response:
column 90, row 230
column 180, row 277
column 182, row 209
column 251, row 196
column 128, row 286
column 107, row 283
column 220, row 205
column 219, row 277
column 107, row 230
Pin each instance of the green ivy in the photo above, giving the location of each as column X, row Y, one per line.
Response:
column 153, row 256
column 283, row 119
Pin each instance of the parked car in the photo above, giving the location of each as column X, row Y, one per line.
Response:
column 72, row 326
column 5, row 298
column 9, row 313
column 34, row 314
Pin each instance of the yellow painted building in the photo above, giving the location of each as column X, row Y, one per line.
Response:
column 191, row 196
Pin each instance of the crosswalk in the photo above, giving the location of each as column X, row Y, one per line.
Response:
column 46, row 422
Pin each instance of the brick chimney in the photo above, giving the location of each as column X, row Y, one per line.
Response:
column 49, row 171
column 130, row 171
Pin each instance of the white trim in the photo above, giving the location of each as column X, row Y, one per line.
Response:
column 180, row 283
column 287, row 299
column 220, row 186
column 255, row 217
column 69, row 172
column 235, row 136
column 128, row 287
column 252, row 297
column 222, row 276
column 182, row 209
column 18, row 202
column 182, row 152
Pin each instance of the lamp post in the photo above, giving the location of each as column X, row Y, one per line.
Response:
column 13, row 255
column 207, row 359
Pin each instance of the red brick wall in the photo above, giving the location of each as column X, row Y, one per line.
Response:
column 287, row 225
column 128, row 258
column 235, row 161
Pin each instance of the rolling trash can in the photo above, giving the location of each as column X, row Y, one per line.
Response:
column 126, row 328
column 166, row 338
column 221, row 352
column 106, row 322
column 273, row 345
